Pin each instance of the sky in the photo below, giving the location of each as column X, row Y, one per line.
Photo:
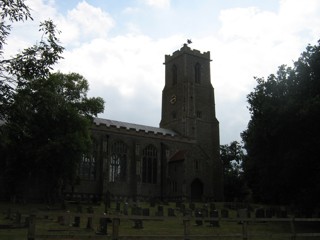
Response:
column 119, row 47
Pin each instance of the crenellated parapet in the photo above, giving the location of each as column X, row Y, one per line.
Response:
column 187, row 50
column 136, row 129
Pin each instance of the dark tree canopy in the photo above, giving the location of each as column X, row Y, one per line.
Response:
column 283, row 135
column 45, row 117
column 232, row 157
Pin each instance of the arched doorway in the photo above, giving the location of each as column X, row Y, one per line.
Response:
column 196, row 189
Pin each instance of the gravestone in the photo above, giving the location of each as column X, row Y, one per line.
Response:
column 214, row 214
column 107, row 201
column 145, row 212
column 60, row 220
column 160, row 211
column 198, row 214
column 89, row 222
column 103, row 226
column 243, row 213
column 171, row 212
column 76, row 222
column 125, row 208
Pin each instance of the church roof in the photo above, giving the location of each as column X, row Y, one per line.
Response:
column 137, row 127
column 178, row 156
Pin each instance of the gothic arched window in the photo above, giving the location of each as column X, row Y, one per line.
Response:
column 149, row 164
column 197, row 71
column 174, row 75
column 118, row 162
column 87, row 168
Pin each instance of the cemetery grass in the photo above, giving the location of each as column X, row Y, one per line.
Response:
column 171, row 226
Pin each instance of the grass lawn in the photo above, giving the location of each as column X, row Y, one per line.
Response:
column 47, row 224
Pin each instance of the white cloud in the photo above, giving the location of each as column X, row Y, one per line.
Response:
column 158, row 3
column 85, row 22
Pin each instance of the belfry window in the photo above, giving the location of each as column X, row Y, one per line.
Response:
column 174, row 75
column 118, row 162
column 149, row 164
column 197, row 71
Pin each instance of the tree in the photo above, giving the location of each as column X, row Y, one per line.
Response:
column 232, row 157
column 283, row 134
column 12, row 11
column 45, row 117
column 48, row 127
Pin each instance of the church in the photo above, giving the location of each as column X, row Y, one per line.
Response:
column 179, row 160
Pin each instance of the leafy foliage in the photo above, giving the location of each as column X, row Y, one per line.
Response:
column 45, row 117
column 283, row 134
column 232, row 157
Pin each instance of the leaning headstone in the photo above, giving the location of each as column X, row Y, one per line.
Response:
column 171, row 212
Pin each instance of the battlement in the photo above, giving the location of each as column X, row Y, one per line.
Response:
column 187, row 50
column 134, row 128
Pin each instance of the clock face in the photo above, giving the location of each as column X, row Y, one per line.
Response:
column 173, row 99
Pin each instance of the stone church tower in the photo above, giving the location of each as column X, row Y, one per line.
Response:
column 188, row 108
